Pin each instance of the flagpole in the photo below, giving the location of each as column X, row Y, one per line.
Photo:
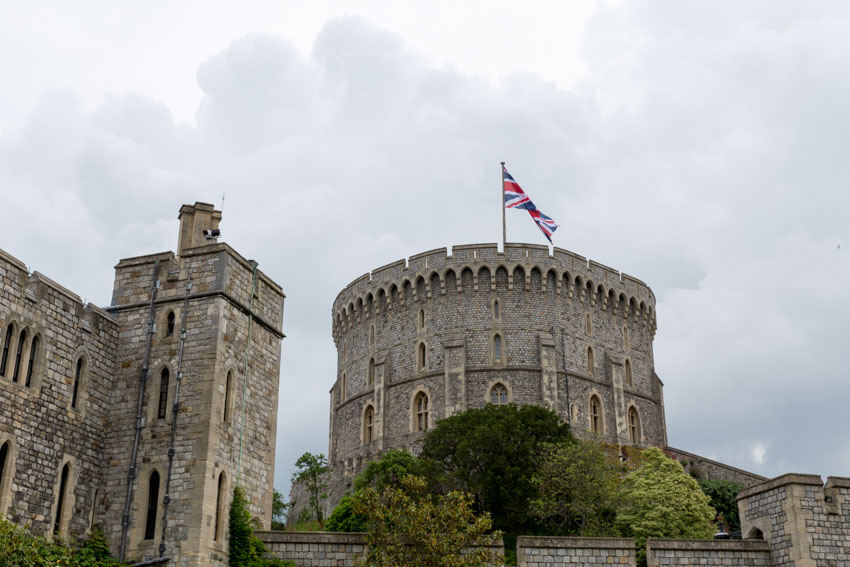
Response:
column 504, row 226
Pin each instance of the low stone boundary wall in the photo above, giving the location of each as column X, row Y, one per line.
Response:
column 545, row 551
column 316, row 549
column 334, row 549
column 675, row 552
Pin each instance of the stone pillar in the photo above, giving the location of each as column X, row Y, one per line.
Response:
column 454, row 355
column 617, row 378
column 381, row 380
column 549, row 372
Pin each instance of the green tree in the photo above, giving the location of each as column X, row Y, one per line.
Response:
column 661, row 500
column 311, row 474
column 344, row 518
column 279, row 511
column 577, row 488
column 388, row 470
column 724, row 499
column 409, row 526
column 245, row 548
column 493, row 453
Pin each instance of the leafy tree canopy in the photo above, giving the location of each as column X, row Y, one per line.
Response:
column 388, row 470
column 661, row 500
column 344, row 519
column 310, row 473
column 724, row 499
column 279, row 511
column 577, row 490
column 492, row 453
column 409, row 526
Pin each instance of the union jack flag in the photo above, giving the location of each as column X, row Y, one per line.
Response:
column 515, row 198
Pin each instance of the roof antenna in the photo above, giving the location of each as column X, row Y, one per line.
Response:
column 221, row 210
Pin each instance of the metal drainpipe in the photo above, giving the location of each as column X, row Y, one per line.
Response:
column 245, row 380
column 167, row 498
column 131, row 472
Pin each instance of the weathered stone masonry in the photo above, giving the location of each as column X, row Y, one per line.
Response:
column 96, row 438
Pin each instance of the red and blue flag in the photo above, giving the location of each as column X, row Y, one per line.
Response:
column 515, row 198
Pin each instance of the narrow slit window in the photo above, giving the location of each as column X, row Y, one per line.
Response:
column 497, row 348
column 31, row 361
column 368, row 421
column 6, row 345
column 421, row 412
column 590, row 363
column 4, row 456
column 342, row 388
column 421, row 361
column 77, row 375
column 228, row 386
column 163, row 394
column 496, row 309
column 370, row 379
column 588, row 324
column 169, row 325
column 218, row 511
column 626, row 345
column 628, row 372
column 63, row 487
column 19, row 352
column 634, row 426
column 421, row 319
column 595, row 415
column 153, row 501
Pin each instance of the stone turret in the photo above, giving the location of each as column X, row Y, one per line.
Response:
column 194, row 220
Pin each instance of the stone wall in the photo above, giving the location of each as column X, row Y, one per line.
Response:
column 546, row 309
column 545, row 551
column 701, row 467
column 731, row 553
column 330, row 549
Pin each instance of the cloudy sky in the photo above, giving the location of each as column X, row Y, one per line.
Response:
column 701, row 147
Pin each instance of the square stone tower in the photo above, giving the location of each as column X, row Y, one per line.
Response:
column 193, row 408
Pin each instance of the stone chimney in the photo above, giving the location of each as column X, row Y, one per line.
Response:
column 194, row 220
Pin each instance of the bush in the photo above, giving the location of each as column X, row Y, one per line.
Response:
column 344, row 519
column 19, row 548
column 246, row 549
column 724, row 499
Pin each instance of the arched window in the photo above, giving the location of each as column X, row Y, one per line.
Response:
column 370, row 378
column 421, row 319
column 6, row 345
column 368, row 420
column 228, row 387
column 58, row 522
column 153, row 500
column 31, row 362
column 342, row 389
column 496, row 309
column 20, row 351
column 421, row 362
column 497, row 348
column 372, row 335
column 588, row 324
column 590, row 363
column 77, row 377
column 628, row 372
column 162, row 409
column 169, row 324
column 498, row 395
column 421, row 407
column 219, row 502
column 634, row 425
column 595, row 415
column 626, row 345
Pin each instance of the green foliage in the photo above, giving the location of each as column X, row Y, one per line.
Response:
column 246, row 549
column 308, row 526
column 724, row 499
column 344, row 519
column 279, row 511
column 661, row 500
column 493, row 453
column 19, row 548
column 577, row 488
column 311, row 474
column 389, row 470
column 409, row 526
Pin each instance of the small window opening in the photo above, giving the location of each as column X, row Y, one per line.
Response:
column 421, row 319
column 421, row 361
column 628, row 372
column 153, row 501
column 4, row 456
column 77, row 375
column 372, row 335
column 371, row 376
column 421, row 412
column 63, row 486
column 169, row 327
column 31, row 361
column 590, row 363
column 626, row 345
column 497, row 348
column 20, row 350
column 368, row 420
column 499, row 395
column 228, row 386
column 6, row 344
column 634, row 426
column 163, row 394
column 496, row 309
column 588, row 324
column 218, row 503
column 595, row 415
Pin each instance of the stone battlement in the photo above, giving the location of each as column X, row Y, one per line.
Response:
column 429, row 271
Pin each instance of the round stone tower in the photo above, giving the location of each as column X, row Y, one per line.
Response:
column 422, row 339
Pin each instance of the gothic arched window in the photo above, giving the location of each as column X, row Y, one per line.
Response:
column 421, row 354
column 370, row 378
column 595, row 415
column 368, row 421
column 590, row 363
column 162, row 409
column 634, row 425
column 31, row 361
column 169, row 324
column 6, row 345
column 78, row 375
column 420, row 405
column 628, row 372
column 153, row 501
column 497, row 348
column 19, row 352
column 498, row 395
column 59, row 521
